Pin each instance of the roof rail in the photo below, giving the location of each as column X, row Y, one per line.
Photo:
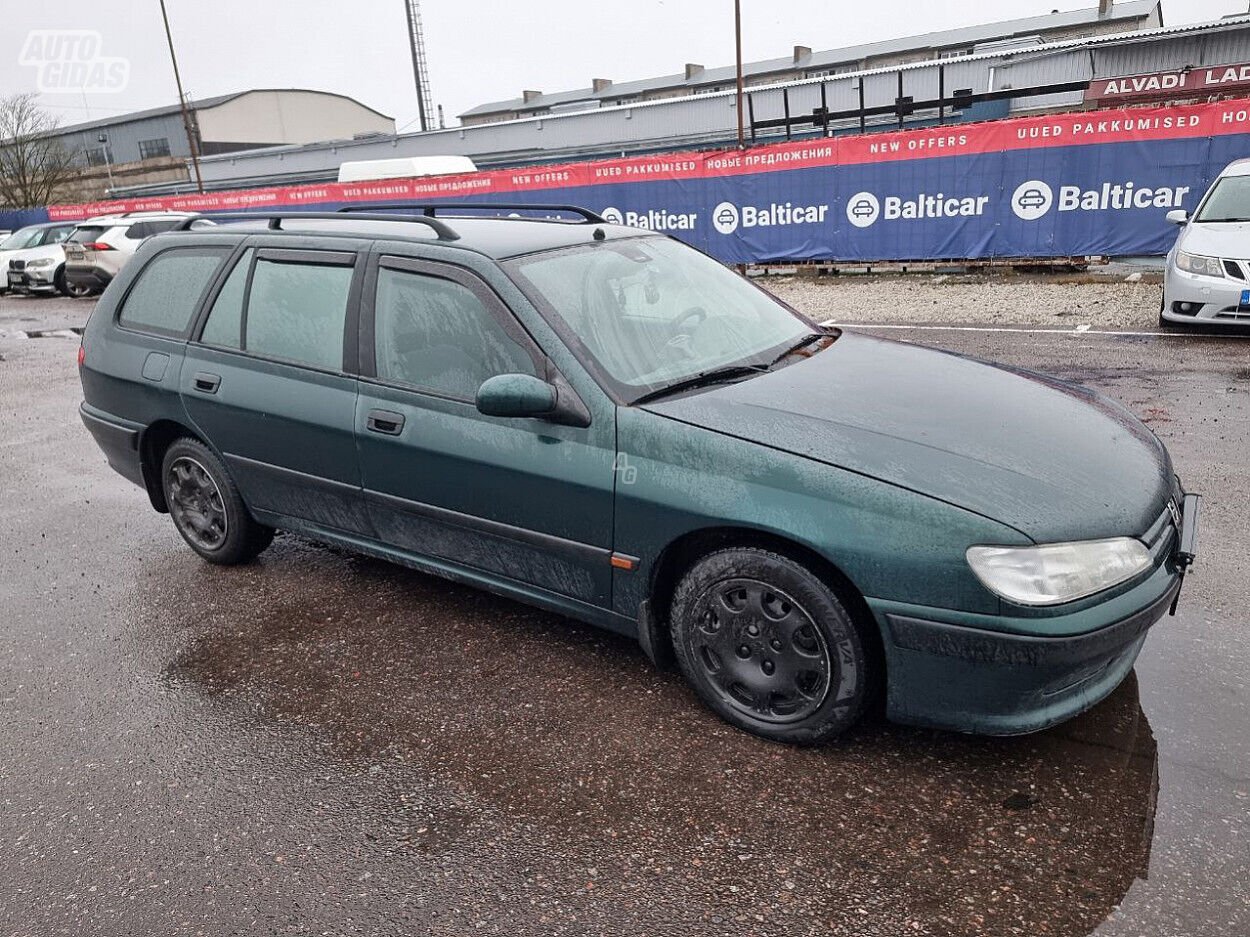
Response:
column 444, row 231
column 430, row 209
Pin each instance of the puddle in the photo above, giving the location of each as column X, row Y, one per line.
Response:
column 564, row 738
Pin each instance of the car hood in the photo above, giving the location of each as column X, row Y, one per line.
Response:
column 1217, row 240
column 1051, row 459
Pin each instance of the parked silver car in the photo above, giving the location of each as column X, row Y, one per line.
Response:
column 1206, row 279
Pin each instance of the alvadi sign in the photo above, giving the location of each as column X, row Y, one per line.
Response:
column 1088, row 182
column 1218, row 79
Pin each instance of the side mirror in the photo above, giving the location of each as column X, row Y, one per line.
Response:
column 1178, row 216
column 516, row 395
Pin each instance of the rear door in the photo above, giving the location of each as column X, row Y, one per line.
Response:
column 524, row 499
column 269, row 380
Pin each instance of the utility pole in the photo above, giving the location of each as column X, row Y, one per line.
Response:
column 416, row 42
column 182, row 103
column 738, row 45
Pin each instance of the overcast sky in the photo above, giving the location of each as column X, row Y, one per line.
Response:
column 478, row 51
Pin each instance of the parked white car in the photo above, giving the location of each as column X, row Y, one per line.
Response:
column 100, row 247
column 32, row 260
column 1206, row 279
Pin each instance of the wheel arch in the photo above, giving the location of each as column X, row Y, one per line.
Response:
column 655, row 629
column 153, row 443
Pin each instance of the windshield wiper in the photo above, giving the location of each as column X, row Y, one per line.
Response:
column 702, row 379
column 799, row 345
column 1220, row 220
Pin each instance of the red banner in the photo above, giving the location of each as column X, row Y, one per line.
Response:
column 1051, row 130
column 1183, row 82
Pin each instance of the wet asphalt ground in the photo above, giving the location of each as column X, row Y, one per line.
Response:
column 321, row 743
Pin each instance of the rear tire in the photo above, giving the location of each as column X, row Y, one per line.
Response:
column 770, row 648
column 206, row 507
column 65, row 288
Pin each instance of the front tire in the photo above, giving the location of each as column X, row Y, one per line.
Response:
column 769, row 647
column 206, row 507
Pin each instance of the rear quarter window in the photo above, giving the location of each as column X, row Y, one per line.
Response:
column 167, row 291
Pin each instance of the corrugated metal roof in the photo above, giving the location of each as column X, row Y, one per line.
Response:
column 963, row 36
column 202, row 104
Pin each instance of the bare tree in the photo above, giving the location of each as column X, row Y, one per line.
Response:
column 33, row 163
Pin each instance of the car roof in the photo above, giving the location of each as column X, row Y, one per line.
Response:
column 1238, row 167
column 131, row 217
column 496, row 237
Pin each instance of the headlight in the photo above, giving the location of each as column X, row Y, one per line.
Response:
column 1196, row 263
column 1057, row 572
column 40, row 263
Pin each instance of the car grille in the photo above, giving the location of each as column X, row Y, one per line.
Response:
column 1161, row 533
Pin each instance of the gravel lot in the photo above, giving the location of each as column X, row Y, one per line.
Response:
column 1050, row 300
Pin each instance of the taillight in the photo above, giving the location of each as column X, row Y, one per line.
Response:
column 82, row 354
column 98, row 246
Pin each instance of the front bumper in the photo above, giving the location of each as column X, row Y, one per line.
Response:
column 36, row 280
column 1210, row 300
column 1000, row 675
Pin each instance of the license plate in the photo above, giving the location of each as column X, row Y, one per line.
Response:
column 1245, row 298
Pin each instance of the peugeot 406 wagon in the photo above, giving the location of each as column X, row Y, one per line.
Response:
column 606, row 423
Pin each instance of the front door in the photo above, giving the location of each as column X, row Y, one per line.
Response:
column 268, row 385
column 519, row 498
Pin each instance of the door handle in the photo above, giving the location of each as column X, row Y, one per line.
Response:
column 386, row 422
column 207, row 383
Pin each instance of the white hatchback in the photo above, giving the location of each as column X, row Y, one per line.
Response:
column 1206, row 279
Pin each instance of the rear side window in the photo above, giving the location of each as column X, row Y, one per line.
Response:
column 438, row 334
column 168, row 290
column 225, row 320
column 296, row 310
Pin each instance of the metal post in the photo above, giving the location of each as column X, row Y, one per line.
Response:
column 785, row 104
column 898, row 106
column 738, row 46
column 182, row 103
column 417, row 65
column 103, row 140
column 862, row 127
column 941, row 94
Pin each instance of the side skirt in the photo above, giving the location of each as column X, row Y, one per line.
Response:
column 479, row 579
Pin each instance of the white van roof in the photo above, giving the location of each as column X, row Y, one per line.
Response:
column 404, row 167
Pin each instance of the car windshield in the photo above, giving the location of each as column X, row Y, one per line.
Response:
column 1229, row 201
column 652, row 312
column 20, row 239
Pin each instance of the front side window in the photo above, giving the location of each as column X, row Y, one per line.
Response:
column 296, row 311
column 168, row 289
column 437, row 334
column 57, row 235
column 652, row 312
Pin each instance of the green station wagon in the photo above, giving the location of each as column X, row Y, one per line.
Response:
column 606, row 423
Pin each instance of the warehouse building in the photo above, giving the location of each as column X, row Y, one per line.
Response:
column 803, row 63
column 151, row 146
column 1024, row 70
